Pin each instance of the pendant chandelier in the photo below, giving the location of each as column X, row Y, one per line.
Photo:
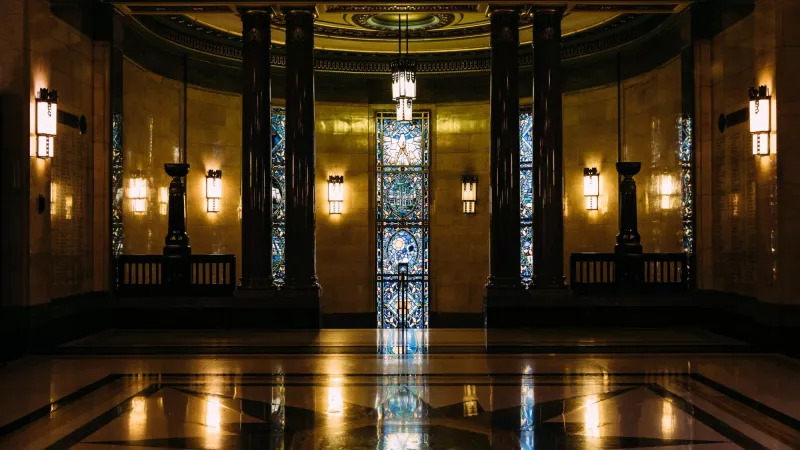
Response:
column 404, row 77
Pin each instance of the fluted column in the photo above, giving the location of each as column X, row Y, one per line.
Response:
column 301, row 265
column 256, row 152
column 504, row 251
column 548, row 173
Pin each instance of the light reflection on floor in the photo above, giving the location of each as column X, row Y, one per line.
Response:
column 406, row 397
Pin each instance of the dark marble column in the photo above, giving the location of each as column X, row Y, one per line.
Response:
column 548, row 179
column 504, row 250
column 301, row 265
column 256, row 152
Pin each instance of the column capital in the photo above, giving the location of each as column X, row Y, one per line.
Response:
column 300, row 9
column 506, row 9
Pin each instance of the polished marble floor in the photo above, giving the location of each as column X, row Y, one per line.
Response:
column 365, row 389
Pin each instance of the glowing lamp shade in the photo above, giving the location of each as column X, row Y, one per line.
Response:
column 666, row 189
column 335, row 194
column 163, row 200
column 137, row 192
column 760, row 107
column 404, row 110
column 213, row 190
column 469, row 193
column 46, row 123
column 591, row 188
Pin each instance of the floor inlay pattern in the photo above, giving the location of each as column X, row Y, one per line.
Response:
column 402, row 401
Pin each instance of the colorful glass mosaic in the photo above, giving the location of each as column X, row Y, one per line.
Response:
column 526, row 412
column 526, row 195
column 278, row 194
column 117, row 237
column 402, row 222
column 685, row 151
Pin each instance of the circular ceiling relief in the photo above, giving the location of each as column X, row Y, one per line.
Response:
column 363, row 29
column 416, row 21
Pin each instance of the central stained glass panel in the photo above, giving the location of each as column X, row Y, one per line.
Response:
column 402, row 222
column 526, row 195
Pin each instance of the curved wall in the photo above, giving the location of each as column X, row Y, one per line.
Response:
column 459, row 144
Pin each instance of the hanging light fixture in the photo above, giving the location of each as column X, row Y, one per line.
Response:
column 46, row 120
column 404, row 77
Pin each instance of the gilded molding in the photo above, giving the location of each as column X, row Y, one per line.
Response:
column 575, row 46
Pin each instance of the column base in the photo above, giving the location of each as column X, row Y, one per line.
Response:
column 303, row 284
column 501, row 283
column 498, row 301
column 554, row 283
column 257, row 284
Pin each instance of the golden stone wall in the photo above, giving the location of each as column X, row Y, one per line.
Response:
column 741, row 190
column 69, row 241
column 345, row 145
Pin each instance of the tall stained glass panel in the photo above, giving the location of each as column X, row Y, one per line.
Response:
column 117, row 237
column 526, row 195
column 402, row 221
column 687, row 195
column 278, row 194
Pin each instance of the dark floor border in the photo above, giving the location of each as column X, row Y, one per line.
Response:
column 721, row 427
column 45, row 410
column 750, row 402
column 189, row 350
column 707, row 418
column 102, row 420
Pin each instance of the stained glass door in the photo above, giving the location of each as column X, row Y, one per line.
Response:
column 526, row 195
column 402, row 220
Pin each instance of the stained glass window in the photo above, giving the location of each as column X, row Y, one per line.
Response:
column 687, row 196
column 278, row 194
column 403, row 204
column 117, row 239
column 526, row 195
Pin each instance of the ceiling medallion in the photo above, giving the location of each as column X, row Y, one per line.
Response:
column 417, row 21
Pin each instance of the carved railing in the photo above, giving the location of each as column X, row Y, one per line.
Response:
column 645, row 272
column 159, row 275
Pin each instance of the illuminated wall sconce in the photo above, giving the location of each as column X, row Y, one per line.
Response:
column 335, row 194
column 666, row 190
column 760, row 108
column 46, row 123
column 591, row 187
column 137, row 192
column 469, row 192
column 163, row 200
column 213, row 190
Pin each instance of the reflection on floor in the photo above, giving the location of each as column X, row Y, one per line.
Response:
column 404, row 395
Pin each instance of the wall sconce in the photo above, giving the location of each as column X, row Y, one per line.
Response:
column 163, row 200
column 760, row 108
column 666, row 189
column 213, row 190
column 591, row 187
column 46, row 123
column 335, row 194
column 137, row 192
column 469, row 193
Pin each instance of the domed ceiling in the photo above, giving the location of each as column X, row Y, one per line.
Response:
column 456, row 37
